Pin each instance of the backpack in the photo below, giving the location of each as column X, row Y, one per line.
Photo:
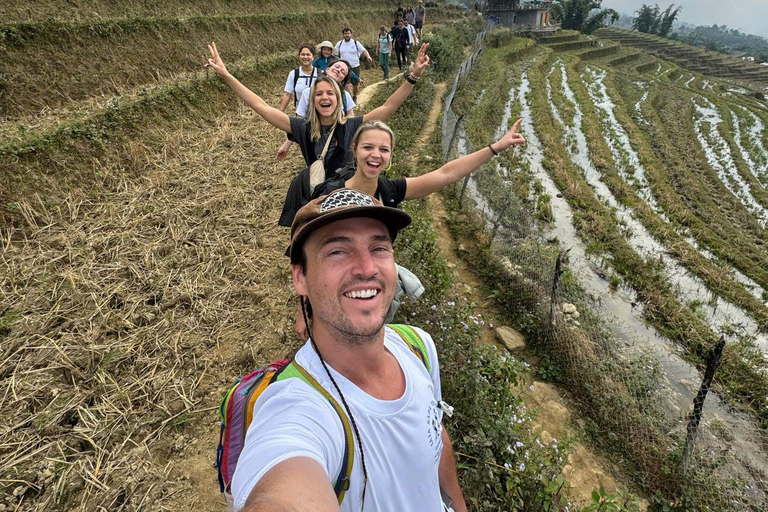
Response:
column 236, row 411
column 386, row 188
column 296, row 72
column 357, row 46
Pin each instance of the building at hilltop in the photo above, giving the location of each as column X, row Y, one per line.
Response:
column 523, row 16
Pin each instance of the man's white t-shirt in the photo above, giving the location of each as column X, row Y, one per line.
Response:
column 350, row 51
column 303, row 107
column 402, row 438
column 412, row 33
column 305, row 81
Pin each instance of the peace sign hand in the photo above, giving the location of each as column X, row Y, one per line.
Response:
column 215, row 61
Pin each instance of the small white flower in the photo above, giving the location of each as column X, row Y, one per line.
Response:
column 521, row 467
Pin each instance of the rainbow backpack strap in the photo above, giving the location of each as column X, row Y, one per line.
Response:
column 414, row 342
column 341, row 485
column 236, row 413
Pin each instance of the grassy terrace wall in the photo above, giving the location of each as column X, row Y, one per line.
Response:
column 52, row 63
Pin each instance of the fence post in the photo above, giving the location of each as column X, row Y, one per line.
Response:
column 555, row 284
column 715, row 355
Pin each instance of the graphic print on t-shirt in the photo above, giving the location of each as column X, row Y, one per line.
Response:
column 435, row 430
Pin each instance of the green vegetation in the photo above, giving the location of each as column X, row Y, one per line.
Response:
column 578, row 15
column 609, row 389
column 652, row 21
column 722, row 39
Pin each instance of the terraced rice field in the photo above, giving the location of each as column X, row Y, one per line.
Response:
column 655, row 180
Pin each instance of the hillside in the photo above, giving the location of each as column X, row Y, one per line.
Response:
column 143, row 269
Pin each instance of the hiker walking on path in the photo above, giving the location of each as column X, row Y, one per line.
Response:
column 300, row 78
column 421, row 16
column 412, row 32
column 325, row 126
column 343, row 268
column 384, row 50
column 339, row 71
column 402, row 38
column 400, row 12
column 410, row 14
column 326, row 56
column 351, row 50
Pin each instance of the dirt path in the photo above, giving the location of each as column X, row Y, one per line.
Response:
column 585, row 470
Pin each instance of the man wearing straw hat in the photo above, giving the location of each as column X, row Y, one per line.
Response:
column 343, row 268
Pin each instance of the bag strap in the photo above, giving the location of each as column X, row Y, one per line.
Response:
column 341, row 485
column 414, row 342
column 327, row 143
column 295, row 82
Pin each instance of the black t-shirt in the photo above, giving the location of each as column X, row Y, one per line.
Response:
column 339, row 154
column 401, row 35
column 390, row 192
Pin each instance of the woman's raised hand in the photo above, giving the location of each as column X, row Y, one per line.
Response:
column 422, row 61
column 511, row 138
column 215, row 61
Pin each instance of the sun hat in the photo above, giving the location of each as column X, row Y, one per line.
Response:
column 324, row 44
column 340, row 204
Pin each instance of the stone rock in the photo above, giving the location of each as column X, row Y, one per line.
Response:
column 462, row 248
column 546, row 437
column 450, row 264
column 568, row 308
column 575, row 314
column 511, row 339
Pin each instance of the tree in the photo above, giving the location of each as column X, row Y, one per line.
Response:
column 667, row 18
column 575, row 14
column 646, row 18
column 652, row 21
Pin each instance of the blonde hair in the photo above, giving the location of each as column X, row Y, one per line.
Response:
column 374, row 124
column 338, row 114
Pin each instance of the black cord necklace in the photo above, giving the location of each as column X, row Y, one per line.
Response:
column 343, row 400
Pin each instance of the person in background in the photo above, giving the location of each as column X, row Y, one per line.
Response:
column 402, row 39
column 412, row 32
column 300, row 78
column 400, row 12
column 350, row 50
column 384, row 50
column 421, row 17
column 410, row 14
column 339, row 71
column 326, row 56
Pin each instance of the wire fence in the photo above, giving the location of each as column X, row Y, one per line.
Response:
column 641, row 401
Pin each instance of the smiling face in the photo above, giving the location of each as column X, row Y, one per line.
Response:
column 373, row 152
column 326, row 51
column 347, row 35
column 305, row 57
column 338, row 71
column 325, row 99
column 349, row 278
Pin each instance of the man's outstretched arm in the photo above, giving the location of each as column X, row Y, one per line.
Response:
column 298, row 484
column 449, row 480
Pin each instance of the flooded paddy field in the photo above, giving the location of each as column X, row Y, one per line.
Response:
column 669, row 251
